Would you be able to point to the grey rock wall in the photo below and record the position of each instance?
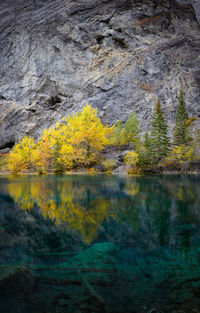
(117, 55)
(195, 4)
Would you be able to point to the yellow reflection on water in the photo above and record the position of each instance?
(71, 206)
(81, 205)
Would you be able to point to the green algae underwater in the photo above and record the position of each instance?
(80, 243)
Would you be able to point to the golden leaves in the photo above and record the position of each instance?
(75, 141)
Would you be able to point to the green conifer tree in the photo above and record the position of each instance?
(145, 151)
(132, 130)
(181, 129)
(118, 132)
(160, 143)
(148, 148)
(57, 165)
(147, 140)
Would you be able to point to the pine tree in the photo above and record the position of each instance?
(145, 151)
(159, 139)
(148, 148)
(147, 140)
(181, 129)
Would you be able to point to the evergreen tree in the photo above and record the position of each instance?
(147, 140)
(145, 151)
(57, 165)
(132, 131)
(118, 133)
(159, 138)
(148, 148)
(181, 129)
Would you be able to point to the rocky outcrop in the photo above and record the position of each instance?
(118, 55)
(195, 4)
(15, 279)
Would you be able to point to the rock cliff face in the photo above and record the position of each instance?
(118, 55)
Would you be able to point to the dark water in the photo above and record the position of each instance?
(100, 243)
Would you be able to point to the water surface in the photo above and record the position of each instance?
(72, 244)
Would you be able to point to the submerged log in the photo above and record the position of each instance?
(91, 289)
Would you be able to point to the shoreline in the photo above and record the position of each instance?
(89, 173)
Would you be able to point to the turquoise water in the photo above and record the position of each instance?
(72, 244)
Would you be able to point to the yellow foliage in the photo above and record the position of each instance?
(132, 160)
(74, 142)
(15, 162)
(87, 134)
(20, 157)
(68, 212)
(181, 154)
(42, 154)
(190, 121)
(66, 156)
(91, 171)
(81, 137)
(132, 188)
(109, 164)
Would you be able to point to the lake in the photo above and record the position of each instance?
(100, 243)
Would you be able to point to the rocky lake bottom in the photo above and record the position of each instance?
(101, 243)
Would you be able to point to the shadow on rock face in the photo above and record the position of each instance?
(53, 101)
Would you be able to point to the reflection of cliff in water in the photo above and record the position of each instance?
(159, 211)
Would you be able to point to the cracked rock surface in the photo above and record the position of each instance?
(117, 55)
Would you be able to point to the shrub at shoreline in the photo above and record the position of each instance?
(78, 141)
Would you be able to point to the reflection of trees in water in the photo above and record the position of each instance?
(185, 193)
(161, 209)
(72, 205)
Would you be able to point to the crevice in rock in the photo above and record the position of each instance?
(100, 39)
(119, 30)
(120, 42)
(56, 49)
(9, 144)
(53, 101)
(95, 7)
(64, 95)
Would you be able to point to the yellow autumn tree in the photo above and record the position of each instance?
(42, 155)
(180, 156)
(87, 135)
(78, 139)
(132, 161)
(20, 157)
(75, 141)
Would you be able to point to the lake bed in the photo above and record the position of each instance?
(83, 243)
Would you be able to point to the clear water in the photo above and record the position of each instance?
(72, 244)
